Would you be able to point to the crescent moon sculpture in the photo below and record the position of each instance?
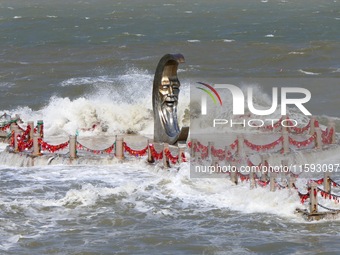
(166, 88)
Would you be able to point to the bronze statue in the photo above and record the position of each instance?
(165, 99)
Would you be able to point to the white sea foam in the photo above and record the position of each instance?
(117, 105)
(296, 53)
(228, 40)
(308, 73)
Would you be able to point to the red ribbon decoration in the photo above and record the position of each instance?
(327, 136)
(52, 148)
(155, 154)
(135, 152)
(5, 127)
(299, 130)
(263, 147)
(172, 158)
(300, 144)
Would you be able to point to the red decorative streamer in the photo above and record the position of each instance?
(300, 144)
(297, 129)
(133, 152)
(327, 136)
(52, 148)
(155, 154)
(263, 147)
(172, 158)
(107, 150)
(5, 127)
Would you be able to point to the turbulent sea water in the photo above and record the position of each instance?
(78, 63)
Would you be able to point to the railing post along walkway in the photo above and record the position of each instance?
(119, 148)
(72, 146)
(313, 198)
(36, 146)
(166, 162)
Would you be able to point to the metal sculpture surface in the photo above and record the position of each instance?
(166, 87)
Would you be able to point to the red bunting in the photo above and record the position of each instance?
(155, 154)
(327, 136)
(273, 126)
(172, 158)
(269, 146)
(300, 144)
(5, 127)
(107, 150)
(52, 148)
(136, 153)
(298, 130)
(303, 197)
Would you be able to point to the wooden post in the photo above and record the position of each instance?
(284, 170)
(312, 126)
(14, 125)
(193, 146)
(285, 142)
(40, 129)
(73, 146)
(31, 125)
(318, 141)
(252, 180)
(326, 182)
(272, 181)
(331, 125)
(166, 162)
(292, 180)
(119, 147)
(180, 152)
(265, 168)
(233, 177)
(214, 163)
(313, 198)
(284, 129)
(16, 133)
(240, 146)
(36, 146)
(210, 145)
(198, 156)
(150, 157)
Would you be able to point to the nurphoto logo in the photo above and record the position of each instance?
(238, 103)
(239, 99)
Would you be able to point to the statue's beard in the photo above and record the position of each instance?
(169, 117)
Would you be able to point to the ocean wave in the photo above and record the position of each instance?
(78, 81)
(308, 73)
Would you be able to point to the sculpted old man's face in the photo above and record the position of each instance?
(169, 91)
(165, 94)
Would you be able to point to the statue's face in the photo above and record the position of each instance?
(169, 90)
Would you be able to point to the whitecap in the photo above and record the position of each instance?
(269, 35)
(228, 40)
(308, 73)
(194, 41)
(188, 12)
(17, 17)
(51, 16)
(296, 53)
(78, 81)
